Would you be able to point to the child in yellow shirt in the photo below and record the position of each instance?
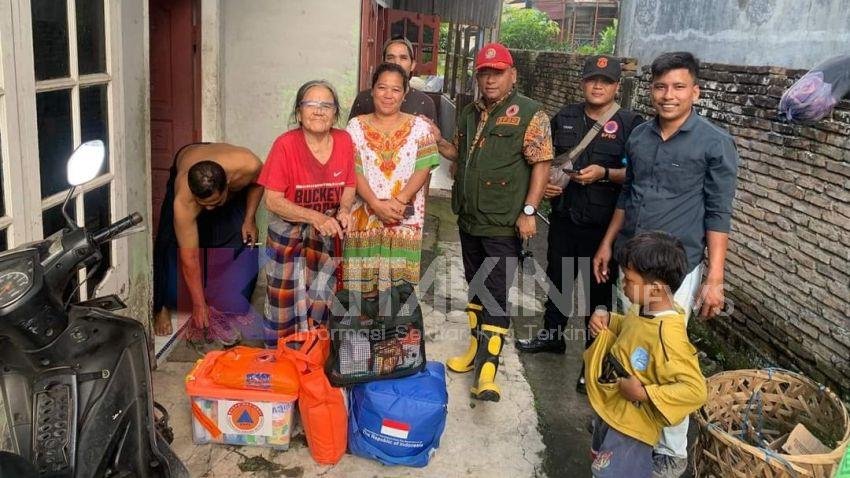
(642, 372)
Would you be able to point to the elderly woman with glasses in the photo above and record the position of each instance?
(310, 181)
(394, 155)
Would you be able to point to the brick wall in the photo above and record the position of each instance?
(788, 269)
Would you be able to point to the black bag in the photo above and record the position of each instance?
(375, 338)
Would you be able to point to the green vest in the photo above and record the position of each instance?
(492, 179)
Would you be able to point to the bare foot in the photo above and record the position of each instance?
(162, 322)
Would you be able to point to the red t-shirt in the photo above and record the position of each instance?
(292, 169)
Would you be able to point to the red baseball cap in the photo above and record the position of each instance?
(494, 55)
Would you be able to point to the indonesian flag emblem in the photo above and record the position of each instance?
(395, 429)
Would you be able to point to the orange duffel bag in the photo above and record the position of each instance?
(248, 368)
(321, 406)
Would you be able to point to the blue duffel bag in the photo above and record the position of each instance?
(399, 421)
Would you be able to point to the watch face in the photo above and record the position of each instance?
(528, 210)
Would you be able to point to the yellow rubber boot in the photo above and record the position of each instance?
(490, 342)
(466, 362)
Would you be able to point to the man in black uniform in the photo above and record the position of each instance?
(582, 210)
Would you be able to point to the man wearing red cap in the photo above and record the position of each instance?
(503, 148)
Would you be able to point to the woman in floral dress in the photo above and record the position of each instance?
(394, 156)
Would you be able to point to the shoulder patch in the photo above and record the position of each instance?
(639, 359)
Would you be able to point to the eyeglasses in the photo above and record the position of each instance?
(318, 105)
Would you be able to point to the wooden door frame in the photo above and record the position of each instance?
(197, 83)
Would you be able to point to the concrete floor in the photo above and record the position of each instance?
(481, 438)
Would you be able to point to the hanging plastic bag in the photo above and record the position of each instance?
(322, 407)
(813, 96)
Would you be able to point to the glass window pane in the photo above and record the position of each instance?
(55, 139)
(91, 43)
(412, 33)
(427, 54)
(427, 34)
(397, 29)
(50, 38)
(4, 240)
(93, 117)
(52, 219)
(97, 216)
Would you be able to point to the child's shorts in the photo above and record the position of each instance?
(618, 455)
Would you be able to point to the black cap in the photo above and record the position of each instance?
(601, 65)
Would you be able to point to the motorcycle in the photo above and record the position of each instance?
(75, 382)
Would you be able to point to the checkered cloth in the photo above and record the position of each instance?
(301, 275)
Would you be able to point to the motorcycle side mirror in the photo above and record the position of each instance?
(83, 165)
(85, 162)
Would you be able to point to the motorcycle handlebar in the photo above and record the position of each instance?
(116, 228)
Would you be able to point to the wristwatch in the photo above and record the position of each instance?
(606, 176)
(529, 210)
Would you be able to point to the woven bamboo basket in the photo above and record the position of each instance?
(748, 416)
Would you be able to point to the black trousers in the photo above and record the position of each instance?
(571, 250)
(489, 265)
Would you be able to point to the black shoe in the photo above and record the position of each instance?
(535, 345)
(580, 388)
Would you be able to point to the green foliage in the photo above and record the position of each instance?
(607, 40)
(605, 45)
(528, 29)
(444, 36)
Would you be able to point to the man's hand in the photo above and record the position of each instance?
(435, 130)
(598, 322)
(552, 191)
(200, 316)
(711, 297)
(632, 389)
(250, 233)
(327, 226)
(600, 263)
(589, 175)
(526, 226)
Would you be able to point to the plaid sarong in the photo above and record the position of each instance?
(300, 275)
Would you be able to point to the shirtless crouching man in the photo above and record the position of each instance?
(210, 203)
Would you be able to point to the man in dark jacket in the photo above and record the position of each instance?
(582, 209)
(400, 52)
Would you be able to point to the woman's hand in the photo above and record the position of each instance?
(327, 226)
(343, 217)
(389, 211)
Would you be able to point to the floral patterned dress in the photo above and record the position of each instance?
(377, 256)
